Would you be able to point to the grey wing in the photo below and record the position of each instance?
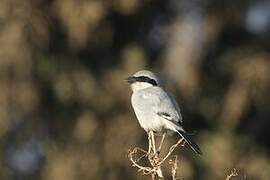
(167, 107)
(176, 106)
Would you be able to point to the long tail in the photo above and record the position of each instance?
(190, 142)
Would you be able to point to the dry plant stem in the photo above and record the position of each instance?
(153, 176)
(161, 142)
(153, 142)
(154, 169)
(174, 167)
(153, 158)
(149, 142)
(171, 150)
(233, 174)
(145, 170)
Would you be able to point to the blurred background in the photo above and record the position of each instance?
(65, 111)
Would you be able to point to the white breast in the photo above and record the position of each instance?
(145, 112)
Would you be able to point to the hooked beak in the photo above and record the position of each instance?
(130, 79)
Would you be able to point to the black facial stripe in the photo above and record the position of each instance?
(146, 79)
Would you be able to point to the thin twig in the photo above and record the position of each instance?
(233, 174)
(161, 142)
(153, 142)
(171, 150)
(174, 164)
(144, 169)
(155, 161)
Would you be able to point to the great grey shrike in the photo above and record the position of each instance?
(155, 109)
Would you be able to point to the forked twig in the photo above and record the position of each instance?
(144, 169)
(155, 161)
(233, 174)
(171, 150)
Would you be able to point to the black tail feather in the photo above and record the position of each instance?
(190, 142)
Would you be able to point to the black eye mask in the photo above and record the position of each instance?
(146, 79)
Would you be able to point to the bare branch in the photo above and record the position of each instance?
(152, 155)
(233, 174)
(171, 150)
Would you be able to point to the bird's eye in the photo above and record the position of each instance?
(147, 80)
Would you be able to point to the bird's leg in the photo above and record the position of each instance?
(153, 142)
(161, 142)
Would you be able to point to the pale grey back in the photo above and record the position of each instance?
(148, 102)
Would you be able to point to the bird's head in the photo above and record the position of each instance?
(142, 79)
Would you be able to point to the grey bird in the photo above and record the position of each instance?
(155, 109)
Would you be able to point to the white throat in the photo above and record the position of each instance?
(140, 85)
